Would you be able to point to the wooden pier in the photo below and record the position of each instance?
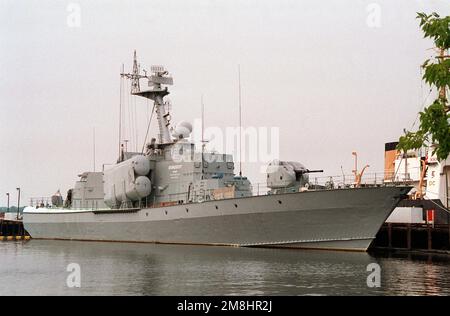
(411, 237)
(12, 230)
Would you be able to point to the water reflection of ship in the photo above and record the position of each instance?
(142, 269)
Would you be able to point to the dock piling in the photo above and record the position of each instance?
(429, 237)
(12, 230)
(408, 237)
(413, 237)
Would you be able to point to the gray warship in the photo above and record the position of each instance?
(172, 193)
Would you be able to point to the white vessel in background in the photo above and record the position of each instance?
(429, 200)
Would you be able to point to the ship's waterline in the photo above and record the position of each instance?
(344, 219)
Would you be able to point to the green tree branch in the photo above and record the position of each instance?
(434, 126)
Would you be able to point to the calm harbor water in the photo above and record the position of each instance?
(40, 268)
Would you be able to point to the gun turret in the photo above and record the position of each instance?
(287, 174)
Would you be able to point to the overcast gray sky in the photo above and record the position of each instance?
(333, 77)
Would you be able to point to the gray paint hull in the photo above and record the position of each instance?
(344, 219)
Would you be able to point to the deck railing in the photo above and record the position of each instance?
(343, 181)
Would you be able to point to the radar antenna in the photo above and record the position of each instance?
(134, 76)
(157, 78)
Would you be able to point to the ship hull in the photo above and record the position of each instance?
(343, 219)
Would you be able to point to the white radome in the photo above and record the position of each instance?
(183, 129)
